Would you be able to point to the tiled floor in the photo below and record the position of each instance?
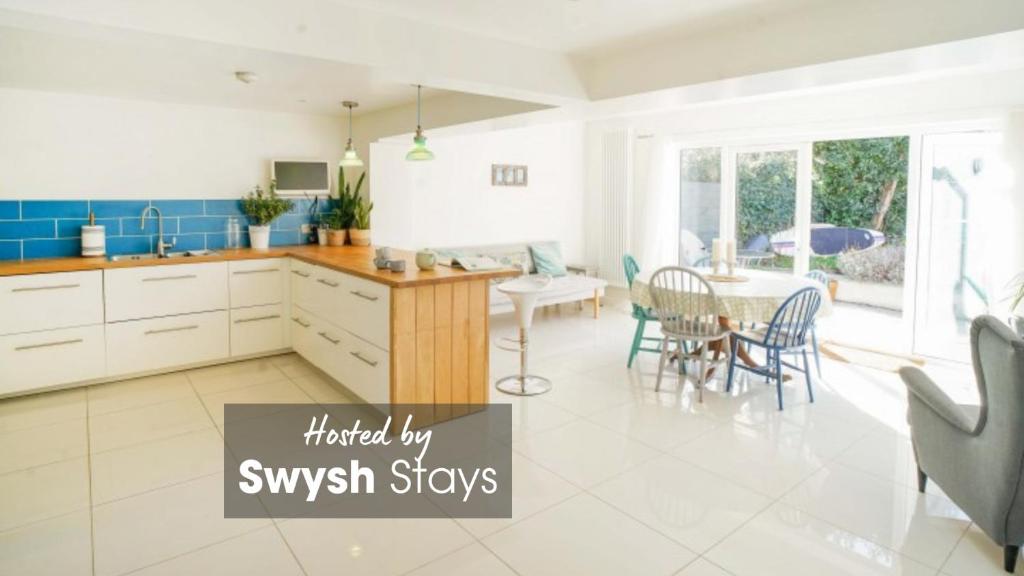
(610, 477)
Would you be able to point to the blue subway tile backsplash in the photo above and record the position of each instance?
(52, 228)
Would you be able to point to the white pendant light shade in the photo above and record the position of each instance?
(419, 151)
(351, 158)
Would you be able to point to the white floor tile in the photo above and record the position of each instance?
(41, 409)
(886, 455)
(693, 507)
(473, 560)
(377, 547)
(583, 452)
(923, 527)
(322, 389)
(137, 392)
(214, 379)
(586, 536)
(701, 567)
(279, 392)
(43, 492)
(584, 395)
(141, 425)
(149, 528)
(61, 545)
(658, 425)
(533, 489)
(135, 469)
(783, 541)
(976, 555)
(28, 447)
(531, 414)
(259, 553)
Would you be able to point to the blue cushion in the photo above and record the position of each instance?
(548, 259)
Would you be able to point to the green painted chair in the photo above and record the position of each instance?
(642, 316)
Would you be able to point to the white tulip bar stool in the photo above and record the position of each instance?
(523, 292)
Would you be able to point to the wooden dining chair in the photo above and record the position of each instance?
(640, 314)
(687, 309)
(786, 334)
(821, 278)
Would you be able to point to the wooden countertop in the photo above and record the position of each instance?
(355, 260)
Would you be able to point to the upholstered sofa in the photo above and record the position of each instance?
(575, 287)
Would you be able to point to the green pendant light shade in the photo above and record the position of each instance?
(419, 151)
(350, 159)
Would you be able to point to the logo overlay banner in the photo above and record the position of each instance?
(367, 461)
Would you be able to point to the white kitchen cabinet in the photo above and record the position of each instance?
(51, 358)
(367, 311)
(35, 302)
(258, 329)
(302, 283)
(257, 282)
(302, 332)
(367, 371)
(157, 343)
(165, 290)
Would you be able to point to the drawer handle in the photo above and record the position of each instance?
(365, 296)
(163, 278)
(257, 318)
(301, 273)
(261, 271)
(364, 359)
(327, 282)
(48, 344)
(40, 288)
(301, 322)
(328, 338)
(177, 329)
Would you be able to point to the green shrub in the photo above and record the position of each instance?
(262, 208)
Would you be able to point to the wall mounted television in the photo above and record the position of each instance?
(301, 177)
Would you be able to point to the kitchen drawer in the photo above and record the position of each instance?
(257, 329)
(329, 348)
(257, 282)
(302, 332)
(367, 372)
(42, 359)
(302, 283)
(156, 343)
(164, 290)
(367, 309)
(329, 292)
(46, 301)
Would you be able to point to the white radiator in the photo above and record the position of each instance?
(613, 235)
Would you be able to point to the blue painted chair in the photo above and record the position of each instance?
(821, 278)
(785, 334)
(642, 316)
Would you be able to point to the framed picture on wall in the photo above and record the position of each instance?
(509, 175)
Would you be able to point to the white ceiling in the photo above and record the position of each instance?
(582, 27)
(146, 66)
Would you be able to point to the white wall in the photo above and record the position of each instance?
(450, 201)
(74, 146)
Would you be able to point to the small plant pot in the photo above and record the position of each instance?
(833, 287)
(321, 236)
(259, 237)
(359, 237)
(336, 237)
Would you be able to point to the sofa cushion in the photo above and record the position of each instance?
(547, 258)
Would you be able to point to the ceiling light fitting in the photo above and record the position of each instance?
(350, 159)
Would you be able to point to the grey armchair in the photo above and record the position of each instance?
(977, 455)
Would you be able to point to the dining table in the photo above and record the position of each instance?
(747, 298)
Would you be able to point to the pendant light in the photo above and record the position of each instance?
(350, 158)
(419, 150)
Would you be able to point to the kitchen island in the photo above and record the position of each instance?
(413, 337)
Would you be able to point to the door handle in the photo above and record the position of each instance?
(166, 278)
(328, 338)
(300, 273)
(48, 344)
(263, 271)
(257, 318)
(40, 288)
(364, 359)
(168, 330)
(301, 322)
(365, 296)
(327, 283)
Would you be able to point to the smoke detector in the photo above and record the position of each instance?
(246, 77)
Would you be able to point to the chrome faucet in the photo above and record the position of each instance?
(161, 246)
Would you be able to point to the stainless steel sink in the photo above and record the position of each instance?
(169, 255)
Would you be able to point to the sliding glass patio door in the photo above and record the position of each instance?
(957, 241)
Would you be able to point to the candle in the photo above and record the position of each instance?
(730, 251)
(716, 250)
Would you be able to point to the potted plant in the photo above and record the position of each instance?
(321, 230)
(347, 199)
(336, 232)
(359, 233)
(262, 208)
